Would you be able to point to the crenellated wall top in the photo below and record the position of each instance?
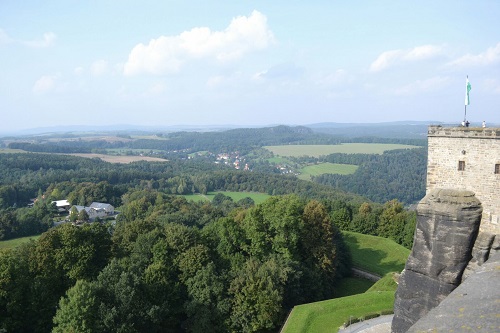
(464, 132)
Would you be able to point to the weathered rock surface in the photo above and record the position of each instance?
(447, 226)
(480, 252)
(473, 306)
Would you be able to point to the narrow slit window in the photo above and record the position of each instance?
(497, 168)
(461, 165)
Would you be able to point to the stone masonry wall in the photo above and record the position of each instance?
(479, 149)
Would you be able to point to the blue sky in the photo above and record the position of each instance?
(164, 63)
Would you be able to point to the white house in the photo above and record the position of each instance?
(109, 209)
(62, 205)
(93, 213)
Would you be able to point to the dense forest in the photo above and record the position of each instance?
(168, 264)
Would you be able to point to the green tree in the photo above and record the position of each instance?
(392, 221)
(83, 216)
(257, 294)
(79, 310)
(73, 214)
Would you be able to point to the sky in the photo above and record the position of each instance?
(246, 63)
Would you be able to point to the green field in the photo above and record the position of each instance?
(376, 254)
(322, 168)
(328, 316)
(278, 160)
(8, 150)
(345, 148)
(236, 196)
(8, 244)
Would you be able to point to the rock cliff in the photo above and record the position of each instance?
(447, 226)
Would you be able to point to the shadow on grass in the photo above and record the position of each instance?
(376, 254)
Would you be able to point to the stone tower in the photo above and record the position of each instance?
(467, 158)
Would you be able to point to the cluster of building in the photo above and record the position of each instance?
(232, 159)
(94, 211)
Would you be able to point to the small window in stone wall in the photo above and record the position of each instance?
(497, 168)
(461, 165)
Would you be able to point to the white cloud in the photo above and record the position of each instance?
(433, 84)
(78, 71)
(45, 84)
(490, 56)
(492, 85)
(390, 58)
(158, 88)
(48, 40)
(167, 54)
(99, 67)
(4, 38)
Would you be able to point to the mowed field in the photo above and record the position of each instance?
(345, 148)
(236, 196)
(120, 159)
(332, 168)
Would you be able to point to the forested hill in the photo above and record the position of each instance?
(242, 140)
(22, 175)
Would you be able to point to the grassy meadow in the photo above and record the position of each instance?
(322, 168)
(236, 196)
(345, 148)
(11, 243)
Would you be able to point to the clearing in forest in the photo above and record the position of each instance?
(330, 168)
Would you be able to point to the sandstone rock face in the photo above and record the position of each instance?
(480, 252)
(447, 226)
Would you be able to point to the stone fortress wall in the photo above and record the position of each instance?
(476, 151)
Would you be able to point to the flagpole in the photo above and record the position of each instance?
(466, 97)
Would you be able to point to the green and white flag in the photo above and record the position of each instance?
(467, 90)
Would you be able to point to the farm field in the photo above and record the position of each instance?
(11, 243)
(236, 196)
(332, 168)
(345, 148)
(120, 159)
(124, 151)
(8, 150)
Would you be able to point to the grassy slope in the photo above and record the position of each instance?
(328, 316)
(374, 254)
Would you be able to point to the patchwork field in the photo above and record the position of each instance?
(345, 148)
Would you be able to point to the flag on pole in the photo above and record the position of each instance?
(467, 90)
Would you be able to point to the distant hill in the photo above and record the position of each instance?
(400, 129)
